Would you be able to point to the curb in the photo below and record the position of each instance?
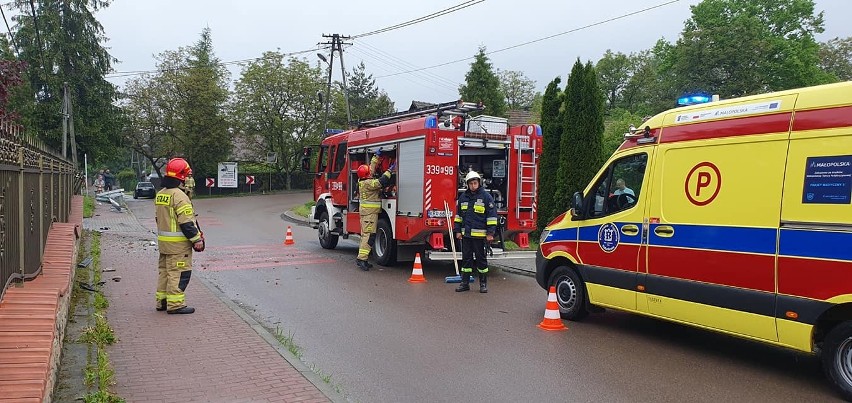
(300, 366)
(295, 217)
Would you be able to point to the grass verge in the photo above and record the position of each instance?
(513, 246)
(303, 210)
(99, 374)
(287, 340)
(88, 206)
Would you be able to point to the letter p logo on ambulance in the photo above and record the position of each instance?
(703, 183)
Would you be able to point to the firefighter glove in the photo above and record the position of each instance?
(198, 246)
(379, 152)
(392, 166)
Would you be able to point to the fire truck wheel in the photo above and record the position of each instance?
(570, 293)
(837, 358)
(326, 238)
(385, 247)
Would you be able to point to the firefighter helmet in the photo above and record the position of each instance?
(363, 172)
(471, 176)
(178, 168)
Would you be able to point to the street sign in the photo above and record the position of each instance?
(227, 174)
(211, 182)
(249, 179)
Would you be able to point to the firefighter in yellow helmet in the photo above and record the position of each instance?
(189, 186)
(369, 190)
(178, 235)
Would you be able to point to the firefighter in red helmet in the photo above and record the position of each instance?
(177, 235)
(370, 206)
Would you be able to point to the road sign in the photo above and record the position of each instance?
(227, 174)
(249, 179)
(211, 182)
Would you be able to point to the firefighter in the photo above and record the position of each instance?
(475, 224)
(178, 235)
(189, 186)
(369, 190)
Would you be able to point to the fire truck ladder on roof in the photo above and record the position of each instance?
(446, 108)
(527, 174)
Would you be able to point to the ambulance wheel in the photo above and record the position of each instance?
(837, 358)
(570, 293)
(326, 238)
(385, 246)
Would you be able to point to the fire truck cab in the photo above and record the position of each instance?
(433, 149)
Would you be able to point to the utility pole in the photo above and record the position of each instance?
(68, 125)
(336, 42)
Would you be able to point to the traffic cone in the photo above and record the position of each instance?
(552, 320)
(288, 240)
(417, 271)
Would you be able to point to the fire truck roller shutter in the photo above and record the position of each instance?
(409, 177)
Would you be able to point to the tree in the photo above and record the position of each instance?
(551, 128)
(67, 48)
(276, 110)
(616, 125)
(367, 101)
(518, 89)
(740, 47)
(836, 57)
(614, 71)
(582, 122)
(482, 85)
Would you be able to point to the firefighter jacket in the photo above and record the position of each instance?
(189, 183)
(476, 216)
(176, 227)
(369, 191)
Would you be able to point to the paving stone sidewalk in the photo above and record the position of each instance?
(213, 355)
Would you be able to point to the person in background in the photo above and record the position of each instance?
(189, 186)
(99, 184)
(370, 205)
(109, 180)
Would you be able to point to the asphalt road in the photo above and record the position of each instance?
(383, 339)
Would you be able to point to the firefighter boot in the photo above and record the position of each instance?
(161, 306)
(182, 310)
(464, 286)
(362, 264)
(483, 283)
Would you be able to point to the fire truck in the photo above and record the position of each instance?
(433, 148)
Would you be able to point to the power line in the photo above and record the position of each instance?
(436, 14)
(38, 36)
(11, 38)
(432, 86)
(539, 39)
(394, 66)
(119, 74)
(403, 63)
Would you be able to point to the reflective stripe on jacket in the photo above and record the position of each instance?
(369, 192)
(476, 216)
(173, 208)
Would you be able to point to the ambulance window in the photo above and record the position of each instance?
(618, 189)
(340, 160)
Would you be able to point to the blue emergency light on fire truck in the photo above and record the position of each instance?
(433, 149)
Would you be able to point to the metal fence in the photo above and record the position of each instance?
(36, 185)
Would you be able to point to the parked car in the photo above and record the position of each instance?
(144, 189)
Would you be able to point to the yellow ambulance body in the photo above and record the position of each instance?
(733, 216)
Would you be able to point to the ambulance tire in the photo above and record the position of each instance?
(837, 358)
(385, 247)
(570, 293)
(326, 238)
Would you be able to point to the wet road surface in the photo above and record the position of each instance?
(383, 339)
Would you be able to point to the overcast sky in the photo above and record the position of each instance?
(137, 30)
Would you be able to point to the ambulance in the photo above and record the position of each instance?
(733, 216)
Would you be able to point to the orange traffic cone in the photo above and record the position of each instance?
(417, 271)
(288, 240)
(552, 320)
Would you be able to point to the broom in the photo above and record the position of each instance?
(457, 277)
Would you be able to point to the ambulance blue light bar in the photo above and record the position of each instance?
(693, 99)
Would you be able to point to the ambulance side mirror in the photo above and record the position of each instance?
(577, 210)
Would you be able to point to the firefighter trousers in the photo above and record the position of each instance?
(175, 271)
(368, 235)
(473, 256)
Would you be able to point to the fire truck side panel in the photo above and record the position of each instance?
(409, 178)
(522, 165)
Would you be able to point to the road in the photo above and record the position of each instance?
(383, 339)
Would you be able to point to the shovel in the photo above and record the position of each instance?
(457, 277)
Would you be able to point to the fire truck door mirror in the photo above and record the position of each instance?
(577, 209)
(306, 159)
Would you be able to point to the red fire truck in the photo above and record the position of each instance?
(433, 149)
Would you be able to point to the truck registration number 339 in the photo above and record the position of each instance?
(440, 169)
